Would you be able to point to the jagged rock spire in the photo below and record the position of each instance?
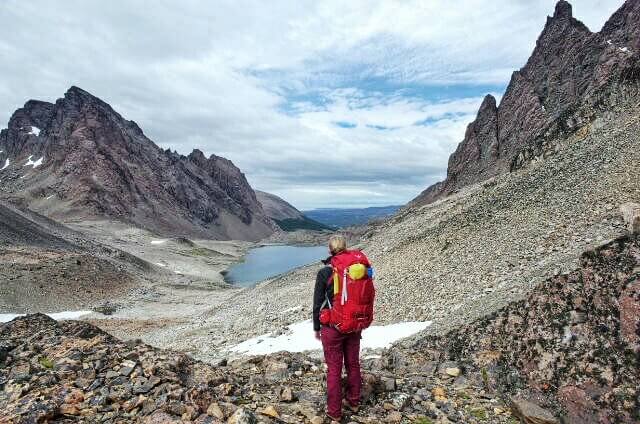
(563, 10)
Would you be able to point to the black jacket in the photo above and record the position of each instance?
(321, 292)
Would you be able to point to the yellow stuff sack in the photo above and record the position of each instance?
(336, 283)
(357, 271)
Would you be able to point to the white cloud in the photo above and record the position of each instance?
(264, 83)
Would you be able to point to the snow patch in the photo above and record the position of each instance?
(55, 315)
(35, 164)
(372, 357)
(300, 338)
(609, 42)
(158, 241)
(159, 264)
(624, 49)
(6, 164)
(35, 131)
(49, 197)
(294, 309)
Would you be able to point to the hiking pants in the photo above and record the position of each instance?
(341, 348)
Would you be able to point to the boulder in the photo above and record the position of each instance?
(242, 416)
(530, 413)
(631, 214)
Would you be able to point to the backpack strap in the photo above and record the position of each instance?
(345, 295)
(326, 302)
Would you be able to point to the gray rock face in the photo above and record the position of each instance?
(276, 207)
(96, 164)
(572, 77)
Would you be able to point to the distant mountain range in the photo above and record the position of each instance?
(339, 218)
(78, 159)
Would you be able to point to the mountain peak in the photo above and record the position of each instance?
(489, 102)
(77, 90)
(563, 10)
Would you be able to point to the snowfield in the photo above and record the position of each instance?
(35, 164)
(300, 338)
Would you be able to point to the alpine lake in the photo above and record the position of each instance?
(269, 261)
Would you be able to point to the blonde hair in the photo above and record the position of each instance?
(337, 244)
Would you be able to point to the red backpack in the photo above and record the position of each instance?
(351, 308)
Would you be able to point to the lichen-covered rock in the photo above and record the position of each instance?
(572, 344)
(530, 413)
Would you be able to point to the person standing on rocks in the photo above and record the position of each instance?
(342, 308)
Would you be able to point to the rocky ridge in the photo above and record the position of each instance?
(471, 253)
(569, 351)
(572, 77)
(78, 159)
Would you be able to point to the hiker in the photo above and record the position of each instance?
(342, 308)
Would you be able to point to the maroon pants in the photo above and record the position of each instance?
(341, 348)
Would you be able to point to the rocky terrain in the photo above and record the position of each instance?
(460, 257)
(46, 266)
(78, 159)
(569, 350)
(573, 77)
(286, 215)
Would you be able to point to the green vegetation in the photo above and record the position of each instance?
(478, 413)
(291, 224)
(485, 377)
(46, 362)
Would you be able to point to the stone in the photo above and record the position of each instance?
(530, 413)
(286, 394)
(400, 400)
(242, 416)
(453, 371)
(143, 385)
(125, 371)
(629, 302)
(76, 396)
(631, 215)
(578, 405)
(270, 411)
(439, 393)
(66, 409)
(159, 417)
(388, 384)
(394, 417)
(215, 411)
(369, 384)
(276, 371)
(317, 420)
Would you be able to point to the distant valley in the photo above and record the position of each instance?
(340, 218)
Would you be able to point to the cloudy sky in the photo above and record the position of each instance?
(325, 103)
